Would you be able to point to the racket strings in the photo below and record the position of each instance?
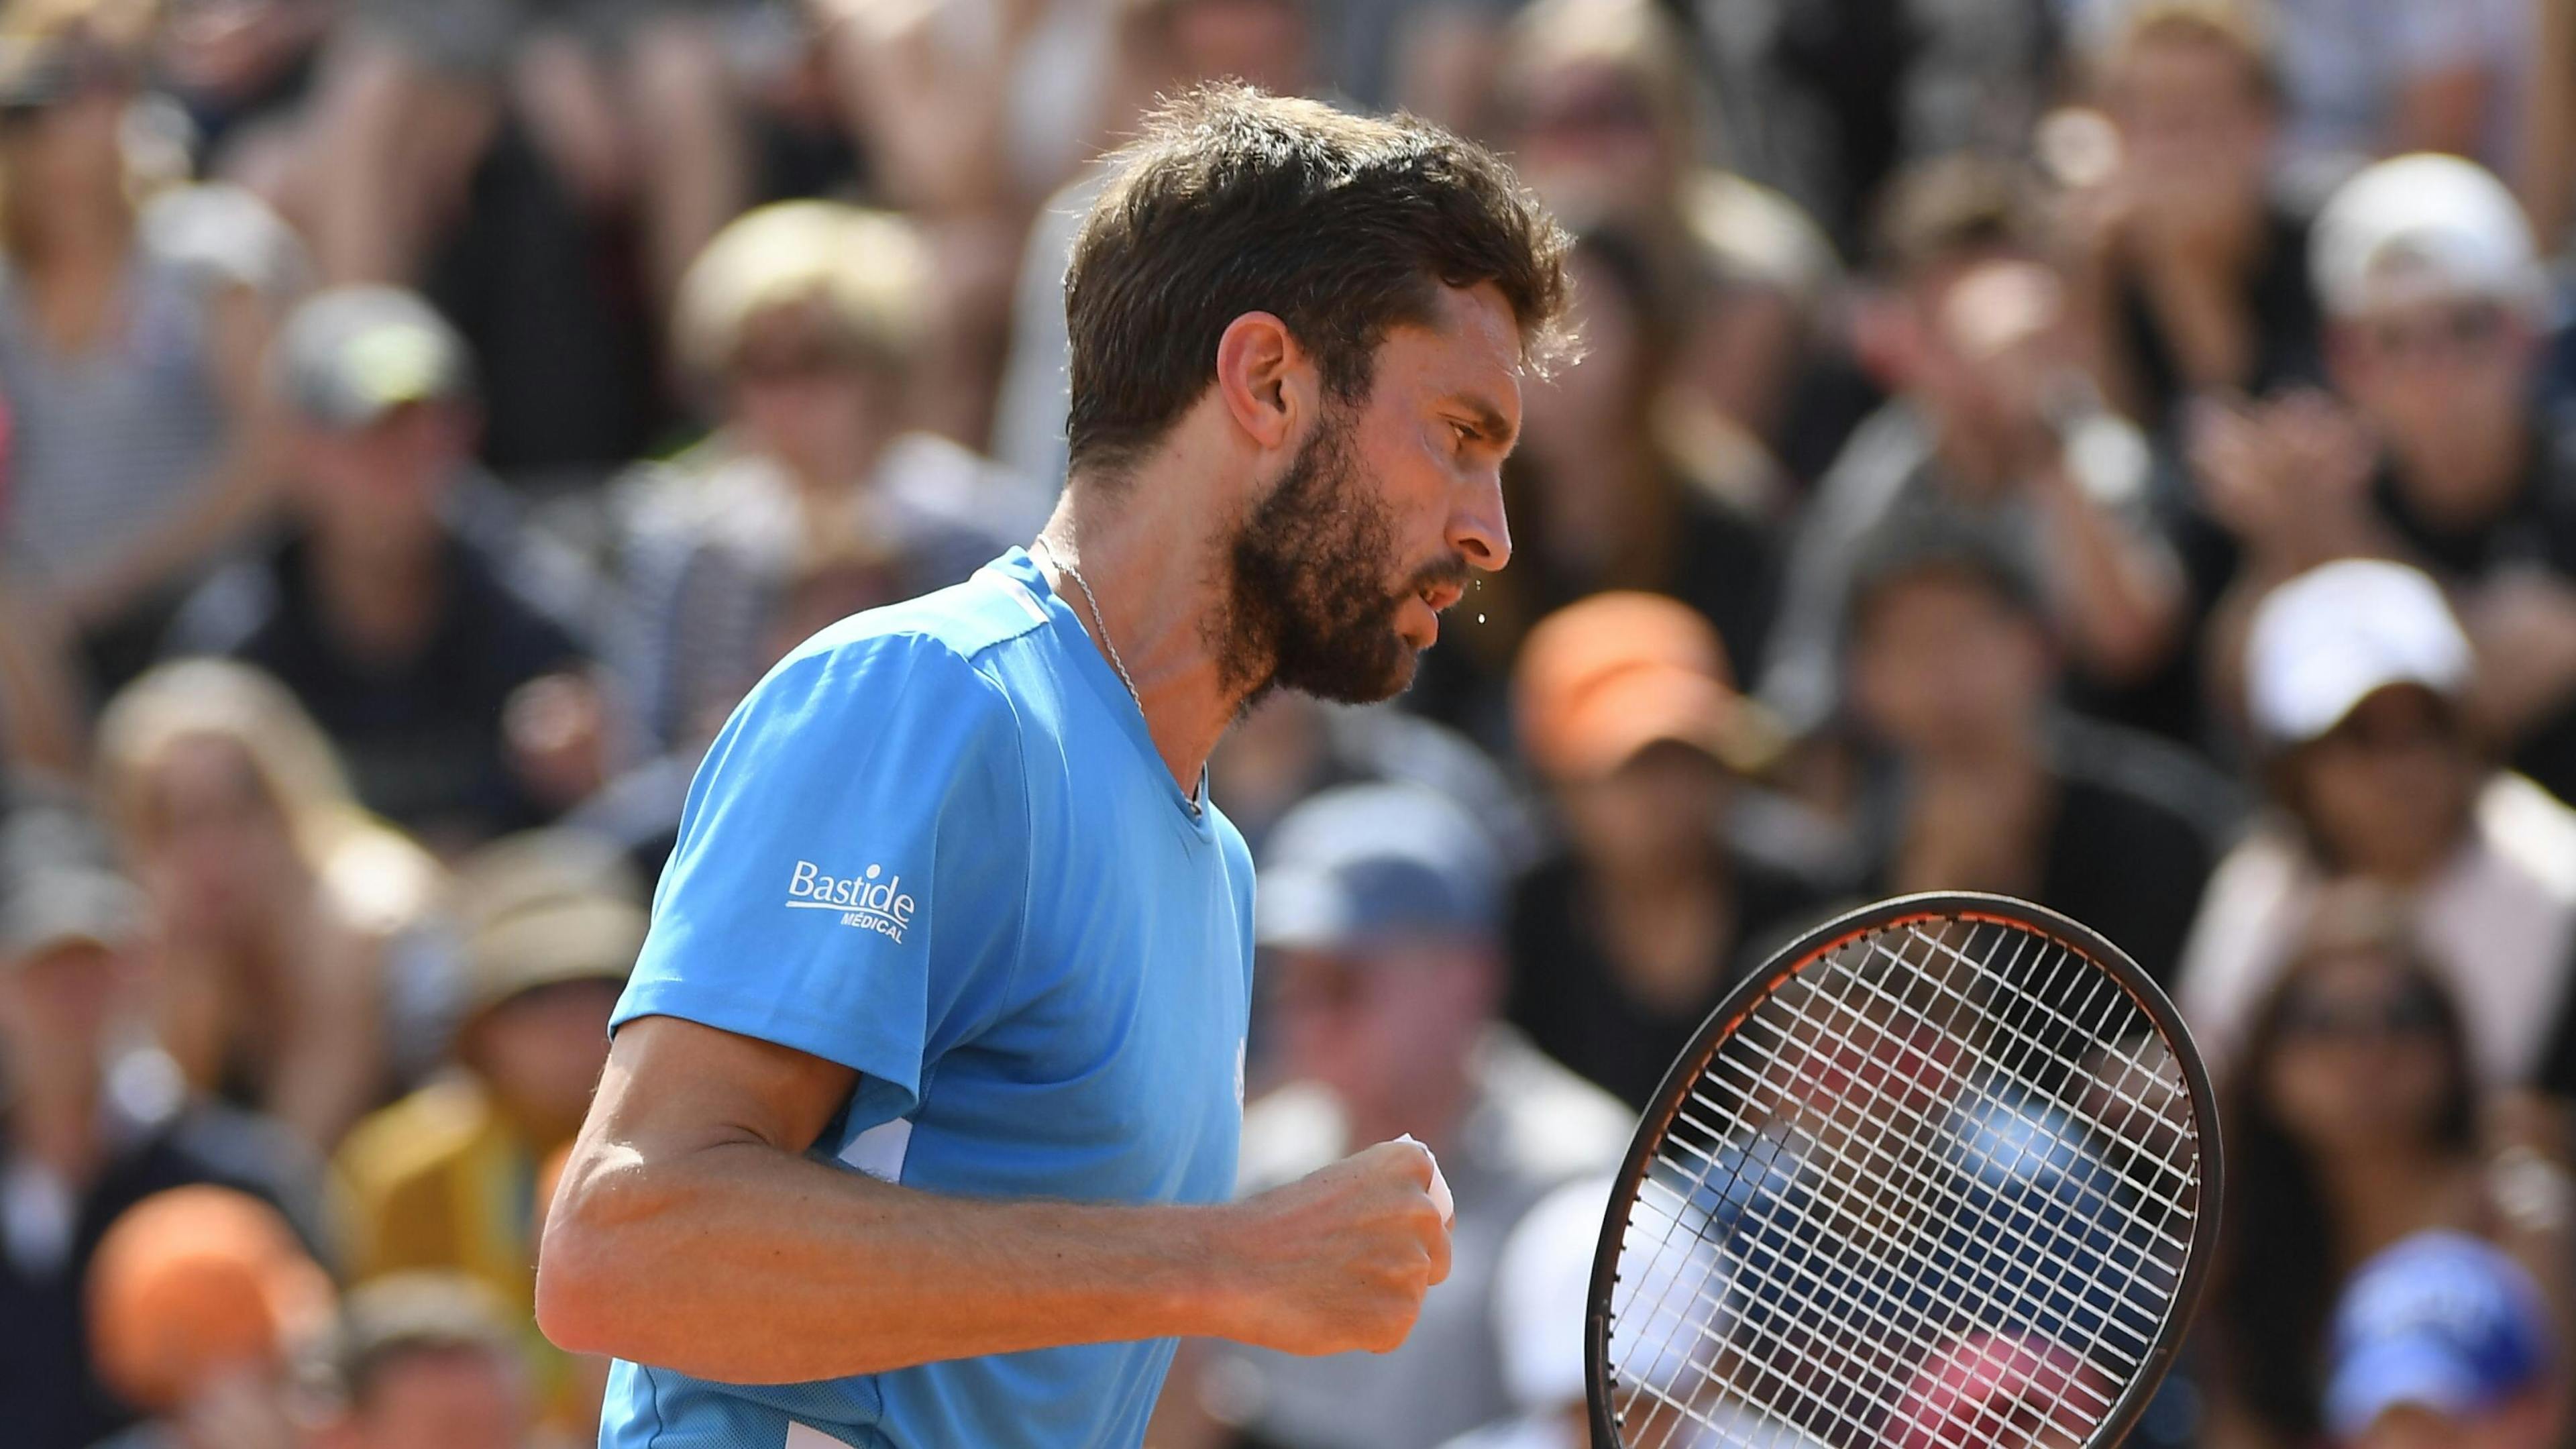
(1882, 1334)
(1920, 1196)
(1882, 1329)
(1882, 1325)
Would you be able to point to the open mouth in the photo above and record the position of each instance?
(1440, 596)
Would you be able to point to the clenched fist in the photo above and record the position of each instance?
(1337, 1260)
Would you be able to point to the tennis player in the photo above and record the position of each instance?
(919, 1124)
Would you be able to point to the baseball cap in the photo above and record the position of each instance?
(57, 885)
(2441, 1321)
(193, 1281)
(2419, 228)
(350, 355)
(2338, 633)
(1364, 864)
(52, 906)
(1602, 679)
(545, 907)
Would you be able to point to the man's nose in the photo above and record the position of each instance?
(1478, 530)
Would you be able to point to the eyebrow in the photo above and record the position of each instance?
(1489, 418)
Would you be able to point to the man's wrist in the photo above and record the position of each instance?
(1206, 1279)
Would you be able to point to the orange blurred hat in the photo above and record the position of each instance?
(194, 1281)
(1603, 678)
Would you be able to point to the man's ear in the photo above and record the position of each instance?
(1267, 382)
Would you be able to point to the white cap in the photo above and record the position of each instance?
(2329, 638)
(1543, 1293)
(2420, 228)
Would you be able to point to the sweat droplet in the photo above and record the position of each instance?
(1480, 618)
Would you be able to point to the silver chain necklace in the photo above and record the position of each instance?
(1106, 643)
(1097, 618)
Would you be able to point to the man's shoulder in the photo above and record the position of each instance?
(901, 703)
(963, 624)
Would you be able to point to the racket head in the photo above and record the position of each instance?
(2188, 1105)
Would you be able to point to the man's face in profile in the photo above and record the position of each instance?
(1340, 572)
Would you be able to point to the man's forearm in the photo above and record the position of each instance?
(745, 1264)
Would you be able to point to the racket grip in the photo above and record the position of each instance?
(1440, 1197)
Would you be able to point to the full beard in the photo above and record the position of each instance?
(1307, 607)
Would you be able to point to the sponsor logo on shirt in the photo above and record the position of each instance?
(864, 901)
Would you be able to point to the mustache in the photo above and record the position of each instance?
(1453, 570)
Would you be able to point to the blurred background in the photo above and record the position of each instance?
(2117, 452)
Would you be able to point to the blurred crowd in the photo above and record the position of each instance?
(2120, 453)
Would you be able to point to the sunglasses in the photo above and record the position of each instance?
(2413, 1012)
(2467, 328)
(2376, 734)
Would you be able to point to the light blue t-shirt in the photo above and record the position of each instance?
(936, 845)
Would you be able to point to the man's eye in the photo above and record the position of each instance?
(1463, 433)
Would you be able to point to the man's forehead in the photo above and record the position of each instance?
(1471, 344)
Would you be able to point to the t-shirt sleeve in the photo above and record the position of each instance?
(852, 867)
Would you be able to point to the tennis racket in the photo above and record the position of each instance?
(1943, 1174)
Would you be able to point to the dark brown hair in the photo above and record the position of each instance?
(1342, 226)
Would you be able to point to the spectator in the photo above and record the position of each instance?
(2428, 270)
(427, 1361)
(1599, 505)
(803, 321)
(1598, 107)
(1380, 916)
(301, 965)
(2353, 1120)
(1992, 420)
(442, 1178)
(89, 1126)
(2355, 677)
(1983, 783)
(405, 634)
(128, 334)
(200, 1304)
(1623, 942)
(2443, 1341)
(2192, 276)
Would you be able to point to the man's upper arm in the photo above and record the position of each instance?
(851, 868)
(675, 1085)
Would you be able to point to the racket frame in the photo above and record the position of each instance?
(1784, 966)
